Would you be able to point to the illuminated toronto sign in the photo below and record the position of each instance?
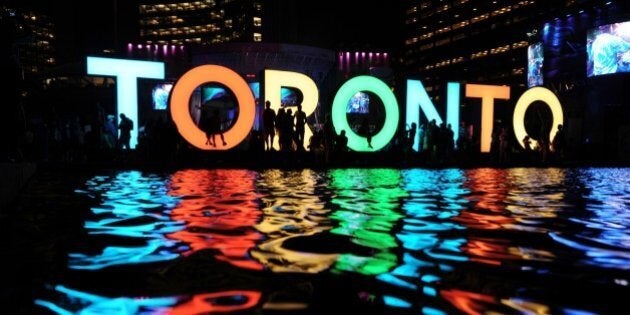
(417, 100)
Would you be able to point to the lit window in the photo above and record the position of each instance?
(257, 21)
(257, 37)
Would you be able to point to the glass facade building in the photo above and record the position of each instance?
(200, 22)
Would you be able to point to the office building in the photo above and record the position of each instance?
(31, 35)
(488, 42)
(200, 22)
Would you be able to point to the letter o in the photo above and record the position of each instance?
(340, 121)
(530, 96)
(180, 103)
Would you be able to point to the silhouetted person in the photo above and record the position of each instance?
(342, 142)
(329, 136)
(214, 127)
(528, 154)
(110, 132)
(287, 132)
(269, 125)
(411, 136)
(125, 126)
(543, 144)
(558, 144)
(527, 143)
(300, 123)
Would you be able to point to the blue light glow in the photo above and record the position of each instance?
(432, 311)
(429, 291)
(127, 73)
(417, 95)
(134, 206)
(395, 302)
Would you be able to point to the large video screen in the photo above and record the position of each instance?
(608, 49)
(288, 96)
(160, 94)
(359, 103)
(535, 59)
(213, 93)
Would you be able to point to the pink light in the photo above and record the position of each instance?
(165, 49)
(340, 61)
(356, 57)
(139, 46)
(347, 60)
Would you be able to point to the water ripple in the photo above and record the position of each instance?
(521, 240)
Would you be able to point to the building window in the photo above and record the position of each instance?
(257, 37)
(257, 21)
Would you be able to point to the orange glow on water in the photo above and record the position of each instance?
(180, 105)
(489, 190)
(212, 223)
(203, 303)
(467, 302)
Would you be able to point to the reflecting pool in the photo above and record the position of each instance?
(361, 241)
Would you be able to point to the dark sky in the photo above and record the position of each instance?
(351, 24)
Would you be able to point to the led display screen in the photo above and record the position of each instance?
(288, 96)
(359, 103)
(535, 58)
(160, 94)
(608, 49)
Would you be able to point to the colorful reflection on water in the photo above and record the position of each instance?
(293, 210)
(217, 302)
(395, 241)
(220, 209)
(367, 203)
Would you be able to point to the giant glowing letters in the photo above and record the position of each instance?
(487, 93)
(180, 100)
(276, 79)
(416, 94)
(340, 121)
(530, 96)
(128, 71)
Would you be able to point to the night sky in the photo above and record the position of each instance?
(351, 24)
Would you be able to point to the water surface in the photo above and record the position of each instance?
(412, 241)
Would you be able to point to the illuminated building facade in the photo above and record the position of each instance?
(199, 22)
(487, 42)
(34, 40)
(477, 40)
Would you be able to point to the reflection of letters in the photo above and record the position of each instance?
(608, 53)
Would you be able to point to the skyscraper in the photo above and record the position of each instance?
(485, 41)
(200, 22)
(32, 36)
(482, 41)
